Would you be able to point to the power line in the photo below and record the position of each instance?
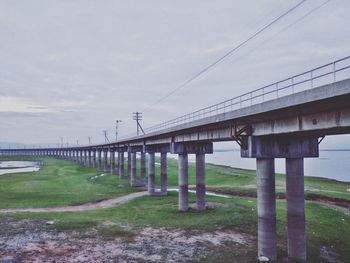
(230, 52)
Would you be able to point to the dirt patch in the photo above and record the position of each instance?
(34, 241)
(82, 207)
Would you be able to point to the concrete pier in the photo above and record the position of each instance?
(183, 182)
(296, 208)
(121, 164)
(112, 161)
(81, 157)
(89, 158)
(133, 181)
(163, 173)
(267, 235)
(94, 164)
(200, 181)
(151, 173)
(105, 161)
(129, 164)
(143, 168)
(99, 159)
(85, 158)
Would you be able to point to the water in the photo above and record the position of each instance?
(18, 167)
(330, 164)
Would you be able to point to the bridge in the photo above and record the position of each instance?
(287, 119)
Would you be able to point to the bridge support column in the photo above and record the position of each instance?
(200, 181)
(183, 182)
(132, 150)
(112, 162)
(143, 168)
(294, 149)
(151, 173)
(296, 208)
(99, 159)
(163, 149)
(94, 164)
(163, 173)
(81, 157)
(133, 169)
(129, 165)
(105, 161)
(86, 158)
(89, 158)
(183, 149)
(121, 163)
(266, 203)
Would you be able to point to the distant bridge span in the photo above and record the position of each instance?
(287, 126)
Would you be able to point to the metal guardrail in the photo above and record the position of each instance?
(275, 90)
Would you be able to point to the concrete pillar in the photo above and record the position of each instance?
(89, 158)
(267, 236)
(151, 173)
(133, 181)
(200, 181)
(163, 173)
(183, 182)
(81, 157)
(143, 168)
(86, 158)
(129, 164)
(121, 164)
(105, 164)
(99, 159)
(296, 208)
(112, 163)
(94, 164)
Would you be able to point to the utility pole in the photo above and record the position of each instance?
(116, 129)
(89, 140)
(137, 116)
(105, 134)
(61, 142)
(77, 142)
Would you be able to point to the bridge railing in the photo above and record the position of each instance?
(322, 75)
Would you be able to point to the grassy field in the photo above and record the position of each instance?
(61, 182)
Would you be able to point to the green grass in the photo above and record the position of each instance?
(61, 182)
(58, 183)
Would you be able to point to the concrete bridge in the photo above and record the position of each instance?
(276, 121)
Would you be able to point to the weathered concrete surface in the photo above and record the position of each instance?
(296, 208)
(151, 173)
(200, 181)
(267, 234)
(163, 173)
(280, 147)
(183, 182)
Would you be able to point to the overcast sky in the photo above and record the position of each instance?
(71, 68)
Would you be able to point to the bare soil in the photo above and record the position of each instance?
(35, 241)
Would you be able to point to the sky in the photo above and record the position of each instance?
(71, 68)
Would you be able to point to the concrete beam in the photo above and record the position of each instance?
(280, 147)
(192, 147)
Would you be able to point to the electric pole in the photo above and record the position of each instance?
(105, 134)
(137, 116)
(116, 129)
(77, 142)
(61, 142)
(89, 140)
